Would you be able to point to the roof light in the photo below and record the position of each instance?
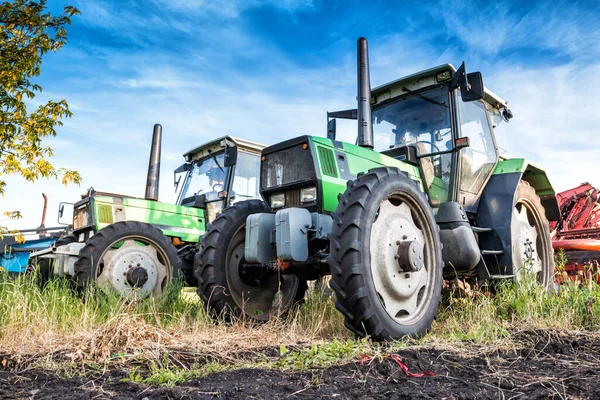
(443, 76)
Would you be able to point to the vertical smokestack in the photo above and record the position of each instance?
(154, 165)
(365, 124)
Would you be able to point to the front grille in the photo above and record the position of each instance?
(294, 164)
(105, 214)
(327, 160)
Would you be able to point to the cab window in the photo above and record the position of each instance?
(479, 159)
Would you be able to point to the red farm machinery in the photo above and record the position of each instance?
(577, 233)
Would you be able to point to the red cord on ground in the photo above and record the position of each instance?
(405, 368)
(365, 358)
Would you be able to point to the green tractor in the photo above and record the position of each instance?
(423, 196)
(130, 244)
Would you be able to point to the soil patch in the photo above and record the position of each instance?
(543, 365)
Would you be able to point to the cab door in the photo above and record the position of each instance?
(478, 160)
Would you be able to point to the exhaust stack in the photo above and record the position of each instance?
(154, 165)
(365, 123)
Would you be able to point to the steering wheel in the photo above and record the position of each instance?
(217, 187)
(433, 145)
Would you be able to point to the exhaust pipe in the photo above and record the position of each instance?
(365, 123)
(41, 230)
(154, 165)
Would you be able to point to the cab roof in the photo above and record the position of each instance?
(219, 144)
(424, 79)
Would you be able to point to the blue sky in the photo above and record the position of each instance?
(266, 70)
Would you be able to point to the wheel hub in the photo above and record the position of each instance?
(527, 257)
(132, 267)
(410, 256)
(137, 277)
(397, 259)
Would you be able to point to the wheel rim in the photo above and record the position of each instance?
(527, 242)
(404, 291)
(269, 296)
(134, 264)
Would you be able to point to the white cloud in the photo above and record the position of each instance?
(567, 28)
(556, 119)
(197, 96)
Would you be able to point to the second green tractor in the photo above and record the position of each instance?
(421, 197)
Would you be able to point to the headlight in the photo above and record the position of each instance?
(277, 200)
(213, 208)
(308, 195)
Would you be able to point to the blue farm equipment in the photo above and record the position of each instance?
(15, 255)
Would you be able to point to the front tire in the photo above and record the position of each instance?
(381, 288)
(128, 257)
(225, 287)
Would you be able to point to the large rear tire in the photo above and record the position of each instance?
(382, 224)
(225, 286)
(532, 244)
(128, 257)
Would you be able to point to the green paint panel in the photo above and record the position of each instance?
(508, 166)
(359, 160)
(438, 190)
(536, 176)
(185, 223)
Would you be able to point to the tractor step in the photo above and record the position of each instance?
(478, 229)
(492, 252)
(502, 276)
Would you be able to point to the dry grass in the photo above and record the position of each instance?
(97, 326)
(100, 328)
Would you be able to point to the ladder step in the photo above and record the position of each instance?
(491, 252)
(502, 276)
(478, 229)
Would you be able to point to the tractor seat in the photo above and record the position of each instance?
(426, 164)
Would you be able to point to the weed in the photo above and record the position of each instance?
(94, 328)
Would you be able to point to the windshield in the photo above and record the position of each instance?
(207, 178)
(422, 117)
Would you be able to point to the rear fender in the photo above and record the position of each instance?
(496, 204)
(538, 180)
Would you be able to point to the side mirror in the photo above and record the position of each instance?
(471, 87)
(331, 129)
(230, 156)
(65, 213)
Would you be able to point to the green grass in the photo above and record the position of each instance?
(487, 317)
(96, 329)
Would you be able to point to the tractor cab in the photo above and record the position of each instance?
(218, 174)
(424, 120)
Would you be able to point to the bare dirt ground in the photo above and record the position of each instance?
(536, 364)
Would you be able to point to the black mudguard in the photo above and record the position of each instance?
(495, 211)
